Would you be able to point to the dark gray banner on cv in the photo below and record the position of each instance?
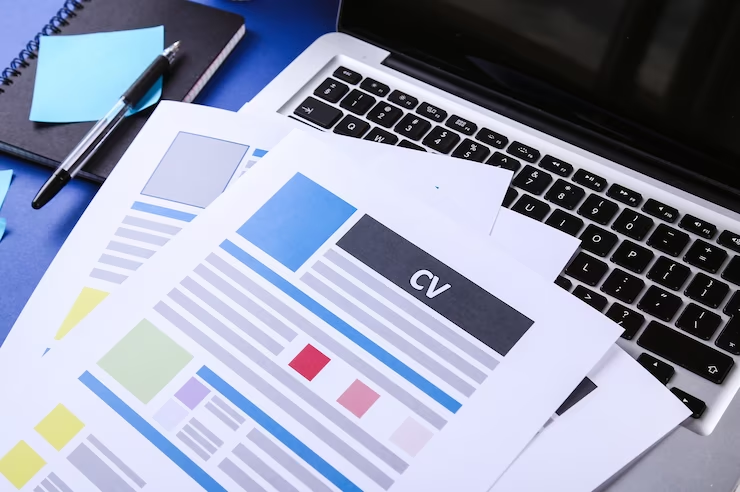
(464, 303)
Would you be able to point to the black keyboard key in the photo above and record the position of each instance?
(564, 283)
(698, 226)
(707, 290)
(499, 159)
(696, 406)
(492, 138)
(730, 240)
(659, 303)
(375, 87)
(686, 352)
(565, 222)
(668, 240)
(729, 339)
(441, 140)
(589, 180)
(510, 196)
(628, 319)
(561, 168)
(524, 152)
(412, 127)
(732, 308)
(385, 114)
(531, 207)
(358, 102)
(660, 210)
(598, 209)
(587, 269)
(318, 113)
(669, 273)
(632, 257)
(624, 195)
(471, 150)
(532, 180)
(407, 144)
(381, 136)
(632, 224)
(403, 99)
(663, 372)
(349, 76)
(596, 301)
(597, 240)
(623, 286)
(565, 194)
(698, 321)
(352, 127)
(705, 256)
(331, 90)
(732, 271)
(462, 125)
(432, 112)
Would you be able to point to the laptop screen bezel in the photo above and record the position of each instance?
(617, 135)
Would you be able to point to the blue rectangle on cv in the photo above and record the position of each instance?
(296, 221)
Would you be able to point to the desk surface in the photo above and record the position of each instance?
(277, 31)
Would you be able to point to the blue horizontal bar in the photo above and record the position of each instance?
(163, 211)
(259, 152)
(342, 327)
(278, 431)
(150, 433)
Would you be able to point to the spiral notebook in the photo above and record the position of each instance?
(208, 36)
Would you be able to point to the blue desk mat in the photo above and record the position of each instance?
(277, 31)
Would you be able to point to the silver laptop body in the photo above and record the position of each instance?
(348, 85)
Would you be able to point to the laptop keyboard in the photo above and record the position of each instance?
(669, 279)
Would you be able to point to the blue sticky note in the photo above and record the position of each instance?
(5, 177)
(80, 77)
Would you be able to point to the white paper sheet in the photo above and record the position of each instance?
(124, 225)
(627, 413)
(436, 424)
(542, 248)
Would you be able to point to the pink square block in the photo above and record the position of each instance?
(411, 436)
(358, 398)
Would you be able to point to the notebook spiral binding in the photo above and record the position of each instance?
(61, 19)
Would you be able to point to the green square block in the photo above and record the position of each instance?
(145, 360)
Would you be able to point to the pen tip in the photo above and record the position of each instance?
(171, 51)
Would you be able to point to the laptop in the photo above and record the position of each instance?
(621, 120)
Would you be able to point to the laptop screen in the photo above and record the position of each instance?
(661, 76)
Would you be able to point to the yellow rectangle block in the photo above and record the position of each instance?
(59, 427)
(88, 300)
(20, 464)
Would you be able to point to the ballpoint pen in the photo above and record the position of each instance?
(100, 132)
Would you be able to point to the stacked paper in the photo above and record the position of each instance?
(345, 316)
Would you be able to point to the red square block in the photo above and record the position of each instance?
(309, 362)
(358, 398)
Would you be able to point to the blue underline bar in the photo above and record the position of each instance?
(342, 327)
(162, 211)
(278, 431)
(150, 433)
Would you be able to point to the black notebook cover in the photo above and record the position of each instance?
(208, 35)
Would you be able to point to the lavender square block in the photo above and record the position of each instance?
(192, 393)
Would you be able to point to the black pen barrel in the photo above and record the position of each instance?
(146, 80)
